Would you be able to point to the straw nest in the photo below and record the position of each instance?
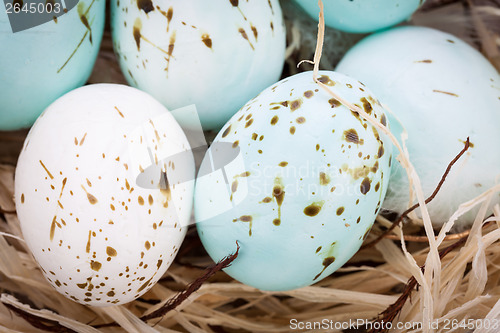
(439, 283)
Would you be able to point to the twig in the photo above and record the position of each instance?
(415, 206)
(174, 302)
(39, 323)
(424, 239)
(2, 211)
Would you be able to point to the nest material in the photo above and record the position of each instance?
(458, 276)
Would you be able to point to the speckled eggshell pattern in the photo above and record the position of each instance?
(43, 63)
(98, 236)
(314, 178)
(360, 16)
(216, 54)
(443, 91)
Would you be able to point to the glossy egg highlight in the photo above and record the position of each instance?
(302, 181)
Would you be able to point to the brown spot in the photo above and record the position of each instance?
(22, 198)
(119, 112)
(426, 61)
(292, 130)
(366, 105)
(365, 185)
(326, 80)
(254, 136)
(87, 248)
(150, 200)
(377, 187)
(294, 105)
(267, 200)
(276, 222)
(111, 293)
(245, 36)
(144, 285)
(279, 194)
(445, 92)
(53, 228)
(91, 199)
(236, 143)
(234, 3)
(308, 94)
(111, 252)
(158, 263)
(326, 262)
(226, 131)
(95, 265)
(334, 103)
(380, 151)
(234, 186)
(274, 120)
(136, 31)
(301, 120)
(147, 245)
(313, 209)
(145, 5)
(205, 38)
(450, 41)
(319, 249)
(254, 30)
(340, 210)
(140, 200)
(46, 170)
(82, 285)
(352, 136)
(248, 123)
(324, 179)
(283, 164)
(383, 120)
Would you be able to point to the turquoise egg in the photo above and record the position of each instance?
(360, 16)
(296, 179)
(40, 64)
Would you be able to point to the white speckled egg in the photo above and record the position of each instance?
(216, 54)
(443, 91)
(359, 16)
(312, 179)
(101, 232)
(40, 64)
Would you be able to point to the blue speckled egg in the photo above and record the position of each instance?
(216, 54)
(443, 91)
(40, 64)
(303, 181)
(359, 16)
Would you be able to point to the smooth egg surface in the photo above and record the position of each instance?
(360, 16)
(214, 54)
(40, 64)
(98, 202)
(442, 91)
(301, 182)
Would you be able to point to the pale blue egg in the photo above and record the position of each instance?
(40, 64)
(302, 181)
(443, 91)
(360, 16)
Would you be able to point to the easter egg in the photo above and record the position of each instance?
(101, 206)
(214, 54)
(362, 16)
(42, 63)
(442, 91)
(304, 188)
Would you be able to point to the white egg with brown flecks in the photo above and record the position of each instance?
(216, 54)
(101, 204)
(303, 181)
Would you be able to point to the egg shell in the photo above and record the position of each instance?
(215, 54)
(99, 235)
(43, 63)
(305, 188)
(443, 91)
(362, 16)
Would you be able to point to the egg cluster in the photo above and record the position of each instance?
(106, 182)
